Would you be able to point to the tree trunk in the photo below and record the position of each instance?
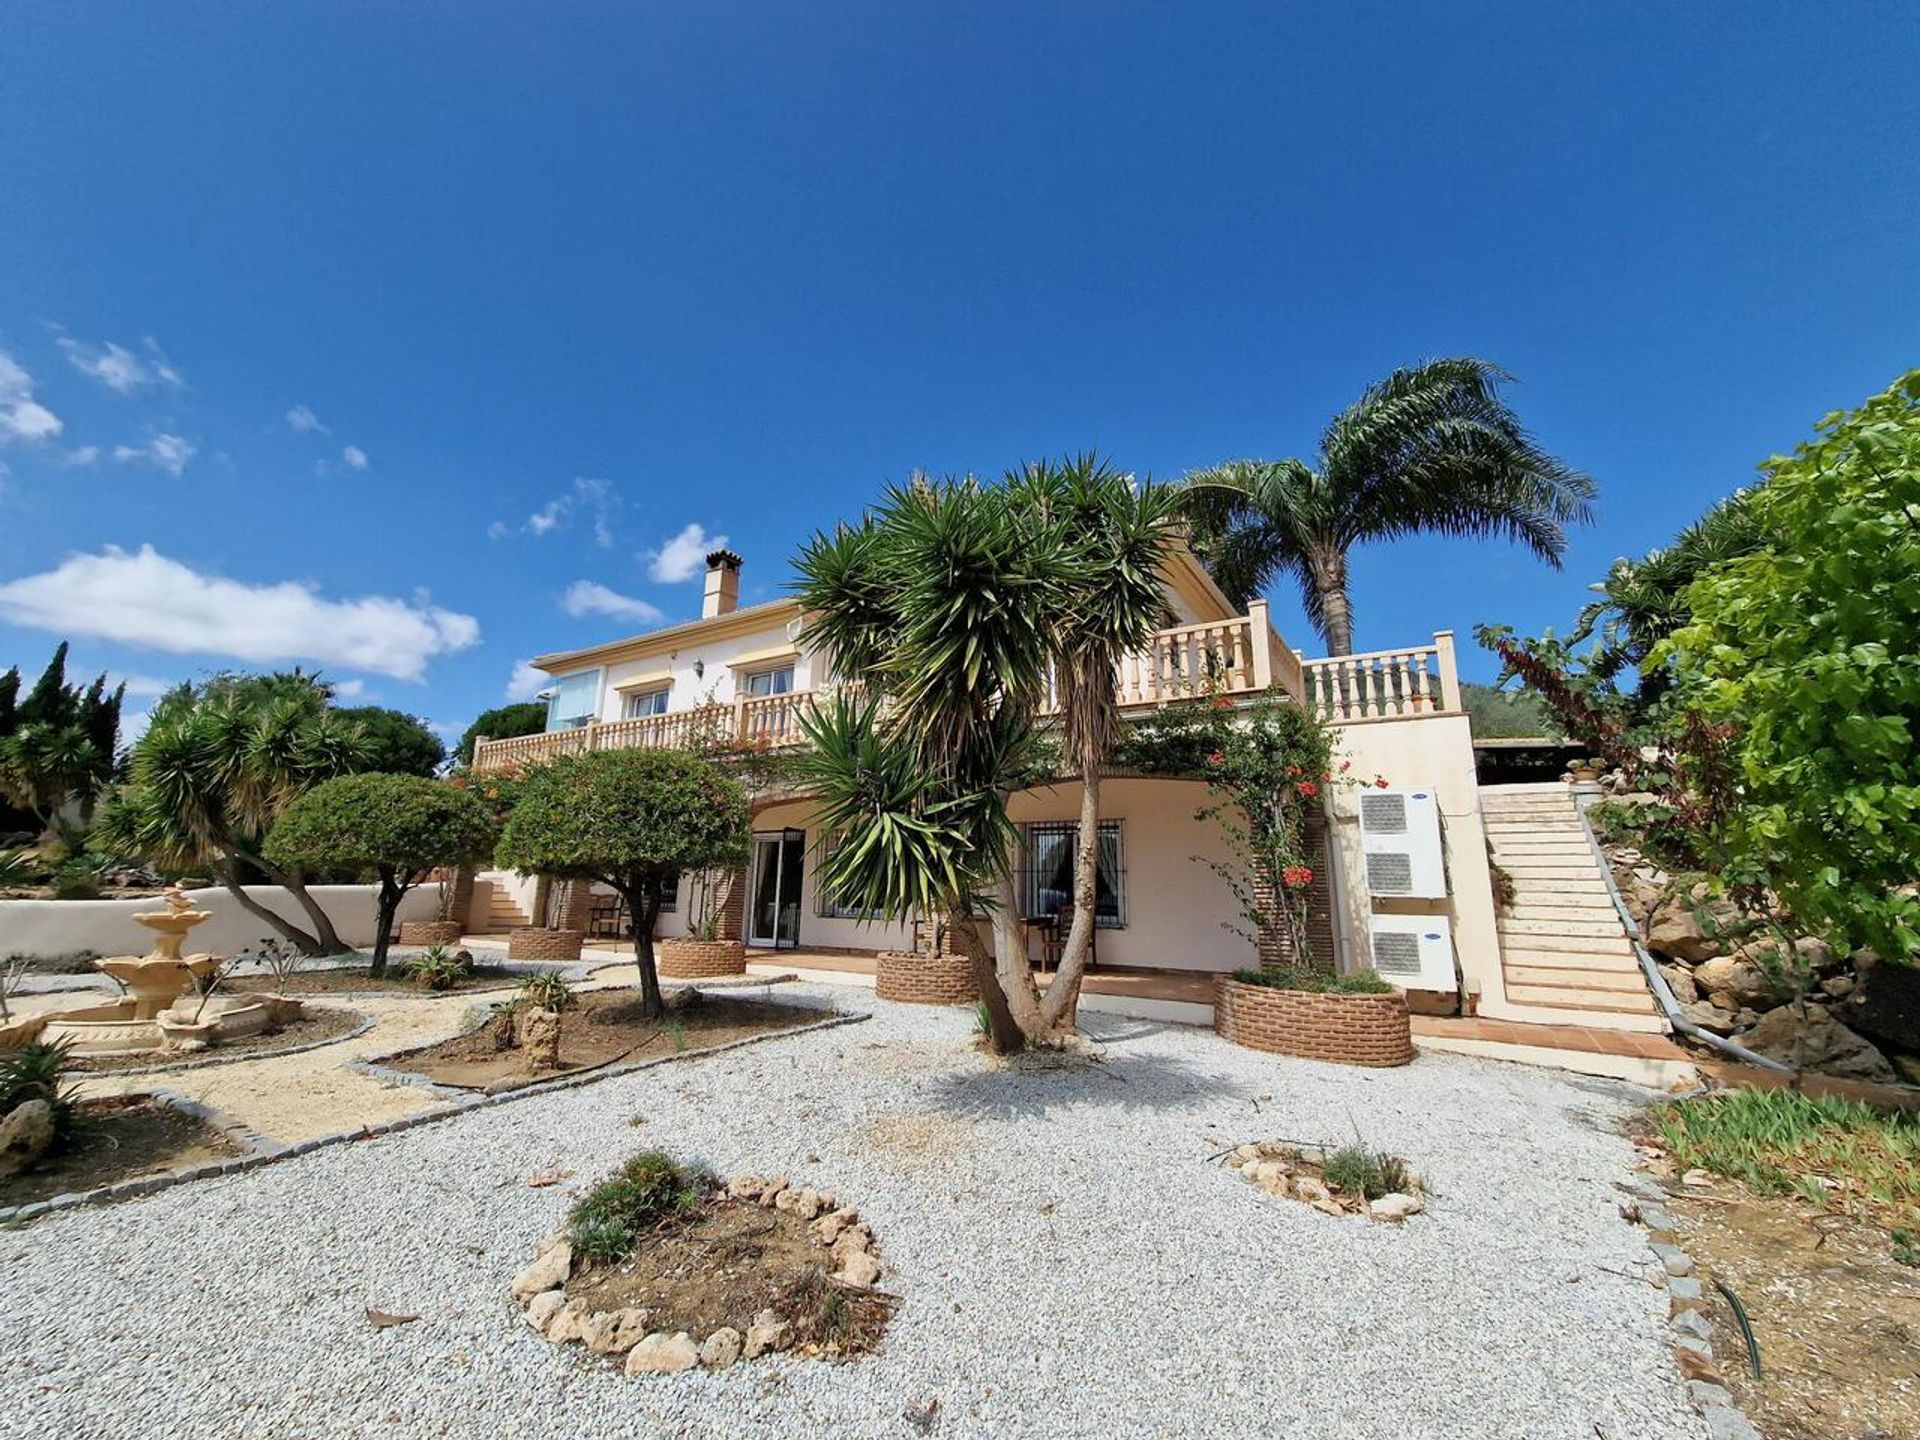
(1328, 565)
(643, 904)
(385, 908)
(1004, 1036)
(288, 931)
(1060, 1010)
(1014, 971)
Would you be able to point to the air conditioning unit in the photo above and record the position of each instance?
(1414, 952)
(1400, 837)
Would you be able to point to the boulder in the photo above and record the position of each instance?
(1886, 1002)
(1709, 1016)
(25, 1136)
(614, 1332)
(1818, 1042)
(540, 1037)
(548, 1272)
(545, 1305)
(1680, 978)
(1691, 927)
(768, 1332)
(663, 1354)
(567, 1323)
(1740, 976)
(1395, 1207)
(721, 1348)
(858, 1269)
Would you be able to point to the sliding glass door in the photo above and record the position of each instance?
(773, 909)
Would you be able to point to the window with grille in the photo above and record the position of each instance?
(1051, 851)
(668, 892)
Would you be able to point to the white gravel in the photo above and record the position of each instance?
(1071, 1263)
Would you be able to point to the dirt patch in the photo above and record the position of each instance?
(313, 1026)
(606, 1026)
(725, 1265)
(914, 1137)
(1837, 1317)
(356, 980)
(117, 1139)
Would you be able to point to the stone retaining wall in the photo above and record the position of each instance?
(1314, 1025)
(679, 959)
(533, 943)
(924, 979)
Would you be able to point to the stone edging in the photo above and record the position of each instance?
(1687, 1315)
(367, 1022)
(1347, 1028)
(267, 1151)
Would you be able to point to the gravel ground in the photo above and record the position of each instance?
(1070, 1261)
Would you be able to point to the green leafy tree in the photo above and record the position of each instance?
(219, 763)
(394, 827)
(57, 743)
(1431, 449)
(504, 723)
(628, 819)
(1805, 655)
(1497, 714)
(397, 743)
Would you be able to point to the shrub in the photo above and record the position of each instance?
(439, 968)
(1360, 982)
(34, 1072)
(546, 991)
(1361, 1171)
(652, 1189)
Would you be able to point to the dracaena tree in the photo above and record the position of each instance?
(395, 827)
(1430, 449)
(630, 820)
(220, 761)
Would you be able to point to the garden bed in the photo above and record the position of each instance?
(313, 1027)
(125, 1137)
(355, 980)
(1346, 1027)
(604, 1027)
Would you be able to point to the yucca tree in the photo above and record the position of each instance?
(938, 605)
(1117, 536)
(1432, 448)
(217, 766)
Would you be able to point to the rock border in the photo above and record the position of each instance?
(1272, 1166)
(207, 1062)
(1687, 1315)
(271, 1151)
(540, 1289)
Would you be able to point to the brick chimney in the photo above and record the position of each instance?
(723, 584)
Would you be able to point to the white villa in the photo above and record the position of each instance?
(1409, 886)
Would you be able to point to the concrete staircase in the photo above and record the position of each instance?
(502, 914)
(1564, 956)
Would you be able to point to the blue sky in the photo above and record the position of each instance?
(431, 317)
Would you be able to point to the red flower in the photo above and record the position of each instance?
(1381, 781)
(1293, 771)
(1222, 702)
(1216, 759)
(1345, 765)
(1307, 788)
(1297, 876)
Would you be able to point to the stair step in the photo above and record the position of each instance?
(1524, 873)
(1613, 962)
(1615, 944)
(1608, 980)
(1571, 908)
(1569, 998)
(1562, 927)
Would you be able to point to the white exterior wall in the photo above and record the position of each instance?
(107, 927)
(1434, 752)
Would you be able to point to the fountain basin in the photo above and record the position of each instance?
(115, 1028)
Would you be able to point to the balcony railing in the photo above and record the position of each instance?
(1386, 684)
(1241, 656)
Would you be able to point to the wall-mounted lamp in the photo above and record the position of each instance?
(699, 669)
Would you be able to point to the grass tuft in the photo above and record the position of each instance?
(1360, 982)
(650, 1190)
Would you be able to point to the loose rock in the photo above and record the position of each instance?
(768, 1332)
(663, 1354)
(548, 1272)
(721, 1349)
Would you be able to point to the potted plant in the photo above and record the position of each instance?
(702, 953)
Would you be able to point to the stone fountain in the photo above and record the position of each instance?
(162, 1008)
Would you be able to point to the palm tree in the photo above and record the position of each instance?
(1117, 536)
(1430, 448)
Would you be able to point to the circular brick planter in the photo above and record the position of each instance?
(700, 959)
(924, 979)
(1314, 1025)
(429, 932)
(532, 943)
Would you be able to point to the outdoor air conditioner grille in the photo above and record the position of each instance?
(1389, 872)
(1396, 953)
(1384, 814)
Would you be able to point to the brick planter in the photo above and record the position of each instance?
(924, 979)
(1346, 1029)
(533, 943)
(699, 959)
(429, 932)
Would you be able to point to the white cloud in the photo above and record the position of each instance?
(302, 421)
(119, 368)
(584, 597)
(682, 557)
(81, 455)
(144, 598)
(348, 689)
(164, 452)
(595, 499)
(355, 457)
(527, 682)
(21, 416)
(141, 686)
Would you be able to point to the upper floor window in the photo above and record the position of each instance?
(638, 703)
(575, 702)
(769, 682)
(1051, 850)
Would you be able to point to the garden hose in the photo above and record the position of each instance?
(1746, 1326)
